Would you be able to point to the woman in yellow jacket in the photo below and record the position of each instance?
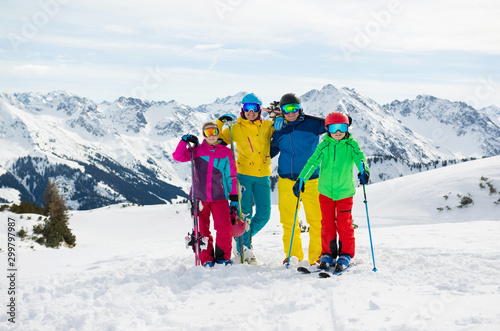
(252, 136)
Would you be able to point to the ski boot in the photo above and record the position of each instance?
(326, 261)
(224, 262)
(249, 256)
(342, 263)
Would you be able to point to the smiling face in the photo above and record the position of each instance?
(291, 116)
(251, 115)
(338, 135)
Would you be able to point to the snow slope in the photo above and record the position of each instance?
(130, 270)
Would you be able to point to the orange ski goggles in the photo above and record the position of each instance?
(211, 132)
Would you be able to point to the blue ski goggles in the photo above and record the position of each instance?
(290, 108)
(255, 107)
(342, 127)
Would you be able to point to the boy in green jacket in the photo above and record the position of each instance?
(337, 154)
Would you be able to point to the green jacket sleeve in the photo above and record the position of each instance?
(358, 156)
(314, 162)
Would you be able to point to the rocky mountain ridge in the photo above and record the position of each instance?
(109, 152)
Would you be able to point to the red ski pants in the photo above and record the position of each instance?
(336, 219)
(222, 225)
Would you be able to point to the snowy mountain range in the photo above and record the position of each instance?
(111, 152)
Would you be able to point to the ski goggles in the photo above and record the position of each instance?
(342, 127)
(211, 132)
(255, 107)
(290, 108)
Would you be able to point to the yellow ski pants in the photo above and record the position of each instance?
(287, 204)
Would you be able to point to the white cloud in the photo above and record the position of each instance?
(120, 29)
(209, 46)
(273, 46)
(30, 69)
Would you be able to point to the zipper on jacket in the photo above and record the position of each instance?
(251, 147)
(293, 153)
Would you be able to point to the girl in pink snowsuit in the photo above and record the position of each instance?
(215, 181)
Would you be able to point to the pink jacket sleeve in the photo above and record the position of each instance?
(182, 152)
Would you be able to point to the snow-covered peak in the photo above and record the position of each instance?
(107, 144)
(232, 99)
(456, 125)
(379, 132)
(493, 112)
(51, 103)
(427, 106)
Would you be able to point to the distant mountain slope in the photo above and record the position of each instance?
(455, 126)
(102, 153)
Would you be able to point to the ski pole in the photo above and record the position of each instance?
(362, 166)
(293, 230)
(240, 241)
(196, 225)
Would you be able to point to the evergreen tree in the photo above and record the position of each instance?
(56, 228)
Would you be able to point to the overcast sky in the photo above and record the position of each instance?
(198, 50)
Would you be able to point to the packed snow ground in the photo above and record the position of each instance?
(130, 269)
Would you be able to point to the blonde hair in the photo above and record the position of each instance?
(209, 124)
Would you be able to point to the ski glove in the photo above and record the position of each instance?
(227, 118)
(189, 138)
(298, 186)
(363, 178)
(278, 123)
(234, 203)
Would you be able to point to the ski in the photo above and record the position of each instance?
(196, 236)
(311, 270)
(329, 273)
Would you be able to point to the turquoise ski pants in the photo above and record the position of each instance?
(254, 190)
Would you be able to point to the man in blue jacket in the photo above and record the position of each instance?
(296, 141)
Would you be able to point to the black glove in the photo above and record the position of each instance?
(234, 204)
(189, 138)
(227, 118)
(299, 185)
(363, 178)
